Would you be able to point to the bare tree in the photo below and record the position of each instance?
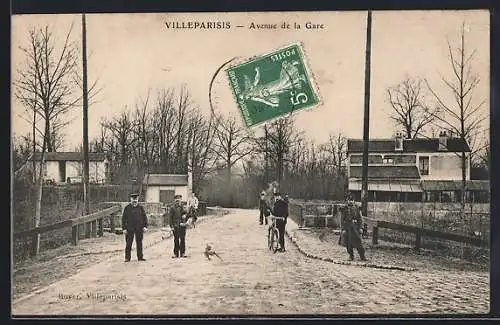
(409, 110)
(232, 142)
(46, 86)
(122, 128)
(337, 148)
(164, 128)
(183, 106)
(48, 73)
(464, 116)
(281, 137)
(201, 134)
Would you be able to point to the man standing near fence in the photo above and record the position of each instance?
(280, 209)
(350, 236)
(134, 224)
(177, 219)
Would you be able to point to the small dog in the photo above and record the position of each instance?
(210, 252)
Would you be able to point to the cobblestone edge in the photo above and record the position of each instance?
(339, 262)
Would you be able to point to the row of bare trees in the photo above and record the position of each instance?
(168, 133)
(164, 133)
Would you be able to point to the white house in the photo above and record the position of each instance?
(163, 187)
(67, 167)
(416, 170)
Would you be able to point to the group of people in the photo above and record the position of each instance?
(352, 230)
(135, 223)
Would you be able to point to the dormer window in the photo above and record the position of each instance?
(399, 142)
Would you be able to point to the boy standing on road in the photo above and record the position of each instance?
(134, 223)
(177, 220)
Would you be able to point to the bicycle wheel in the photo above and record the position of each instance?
(275, 241)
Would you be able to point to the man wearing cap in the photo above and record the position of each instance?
(177, 219)
(134, 224)
(351, 223)
(280, 209)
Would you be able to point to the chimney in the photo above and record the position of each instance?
(443, 143)
(399, 141)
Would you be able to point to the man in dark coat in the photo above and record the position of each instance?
(280, 209)
(177, 219)
(134, 224)
(351, 223)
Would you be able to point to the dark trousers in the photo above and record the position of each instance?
(280, 224)
(179, 240)
(361, 251)
(129, 238)
(262, 218)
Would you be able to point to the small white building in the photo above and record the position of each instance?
(161, 188)
(67, 167)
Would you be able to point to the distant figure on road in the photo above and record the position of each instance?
(263, 208)
(280, 209)
(177, 219)
(134, 223)
(193, 209)
(350, 237)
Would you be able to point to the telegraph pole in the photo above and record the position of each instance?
(86, 209)
(366, 118)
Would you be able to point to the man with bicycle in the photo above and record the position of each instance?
(280, 210)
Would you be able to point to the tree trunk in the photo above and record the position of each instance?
(39, 185)
(464, 185)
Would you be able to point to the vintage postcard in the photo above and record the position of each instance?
(251, 163)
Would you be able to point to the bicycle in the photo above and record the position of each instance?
(273, 234)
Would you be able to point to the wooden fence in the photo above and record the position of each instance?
(421, 232)
(301, 212)
(93, 225)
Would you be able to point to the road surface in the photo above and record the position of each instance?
(251, 280)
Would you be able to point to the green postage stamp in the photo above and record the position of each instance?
(272, 85)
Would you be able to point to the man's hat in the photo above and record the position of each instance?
(177, 196)
(134, 195)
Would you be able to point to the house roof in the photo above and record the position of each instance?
(455, 185)
(386, 172)
(69, 156)
(409, 145)
(166, 179)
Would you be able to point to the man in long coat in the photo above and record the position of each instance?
(350, 236)
(134, 224)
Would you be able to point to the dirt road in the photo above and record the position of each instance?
(251, 280)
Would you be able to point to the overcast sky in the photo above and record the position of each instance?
(131, 53)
